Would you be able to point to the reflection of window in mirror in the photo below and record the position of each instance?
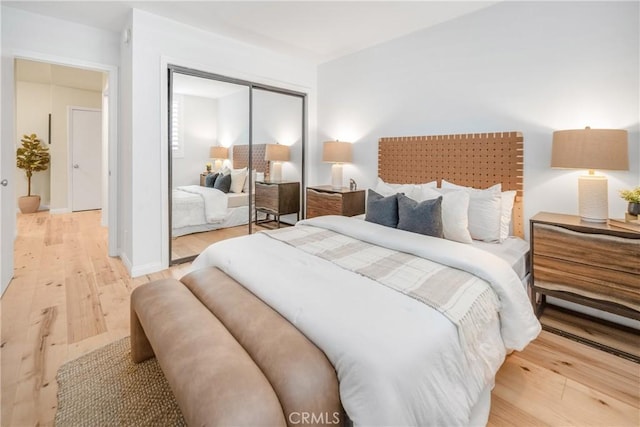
(177, 127)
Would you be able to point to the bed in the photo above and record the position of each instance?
(196, 208)
(415, 326)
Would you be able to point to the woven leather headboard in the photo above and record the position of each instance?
(241, 157)
(475, 160)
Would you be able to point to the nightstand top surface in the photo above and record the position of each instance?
(268, 181)
(574, 222)
(330, 189)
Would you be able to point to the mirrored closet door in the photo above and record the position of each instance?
(236, 161)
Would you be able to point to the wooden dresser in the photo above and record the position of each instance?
(324, 200)
(592, 264)
(277, 198)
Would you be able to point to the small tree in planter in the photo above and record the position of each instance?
(32, 157)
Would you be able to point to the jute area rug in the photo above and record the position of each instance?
(105, 388)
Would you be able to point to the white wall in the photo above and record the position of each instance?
(533, 67)
(233, 121)
(277, 118)
(200, 125)
(156, 42)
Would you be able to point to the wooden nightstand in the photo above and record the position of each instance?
(203, 177)
(592, 264)
(324, 200)
(277, 198)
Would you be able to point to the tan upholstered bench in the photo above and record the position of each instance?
(229, 358)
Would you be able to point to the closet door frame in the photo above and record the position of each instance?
(171, 69)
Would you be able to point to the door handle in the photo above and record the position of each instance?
(4, 182)
(76, 166)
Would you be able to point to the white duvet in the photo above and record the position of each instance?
(197, 205)
(398, 361)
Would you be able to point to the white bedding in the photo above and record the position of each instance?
(399, 362)
(195, 205)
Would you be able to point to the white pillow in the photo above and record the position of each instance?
(508, 199)
(385, 189)
(246, 182)
(485, 211)
(238, 177)
(455, 207)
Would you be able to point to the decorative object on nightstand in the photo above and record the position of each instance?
(591, 264)
(603, 149)
(633, 198)
(325, 200)
(277, 199)
(336, 152)
(218, 154)
(277, 154)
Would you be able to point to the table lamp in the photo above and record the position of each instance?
(336, 152)
(277, 154)
(219, 154)
(603, 149)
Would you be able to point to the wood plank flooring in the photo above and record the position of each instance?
(68, 298)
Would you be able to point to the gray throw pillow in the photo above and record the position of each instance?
(382, 210)
(210, 179)
(423, 217)
(223, 183)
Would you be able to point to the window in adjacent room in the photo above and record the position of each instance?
(177, 129)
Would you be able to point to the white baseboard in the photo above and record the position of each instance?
(141, 270)
(58, 211)
(126, 262)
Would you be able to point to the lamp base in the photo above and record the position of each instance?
(276, 172)
(336, 176)
(593, 200)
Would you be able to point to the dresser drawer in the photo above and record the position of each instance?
(319, 203)
(599, 250)
(266, 196)
(598, 266)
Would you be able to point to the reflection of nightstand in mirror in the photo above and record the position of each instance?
(203, 176)
(277, 198)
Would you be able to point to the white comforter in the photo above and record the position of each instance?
(399, 362)
(196, 205)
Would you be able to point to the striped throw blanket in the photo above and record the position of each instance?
(466, 300)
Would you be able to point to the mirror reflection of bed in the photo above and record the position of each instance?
(202, 215)
(211, 122)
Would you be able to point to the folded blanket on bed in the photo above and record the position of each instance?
(215, 202)
(466, 300)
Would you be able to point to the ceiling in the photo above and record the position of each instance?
(315, 30)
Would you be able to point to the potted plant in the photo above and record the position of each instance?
(32, 157)
(633, 197)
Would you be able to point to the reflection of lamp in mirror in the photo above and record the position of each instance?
(336, 152)
(219, 154)
(603, 149)
(277, 154)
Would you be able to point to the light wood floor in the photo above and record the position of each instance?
(68, 298)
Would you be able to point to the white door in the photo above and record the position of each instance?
(86, 159)
(7, 173)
